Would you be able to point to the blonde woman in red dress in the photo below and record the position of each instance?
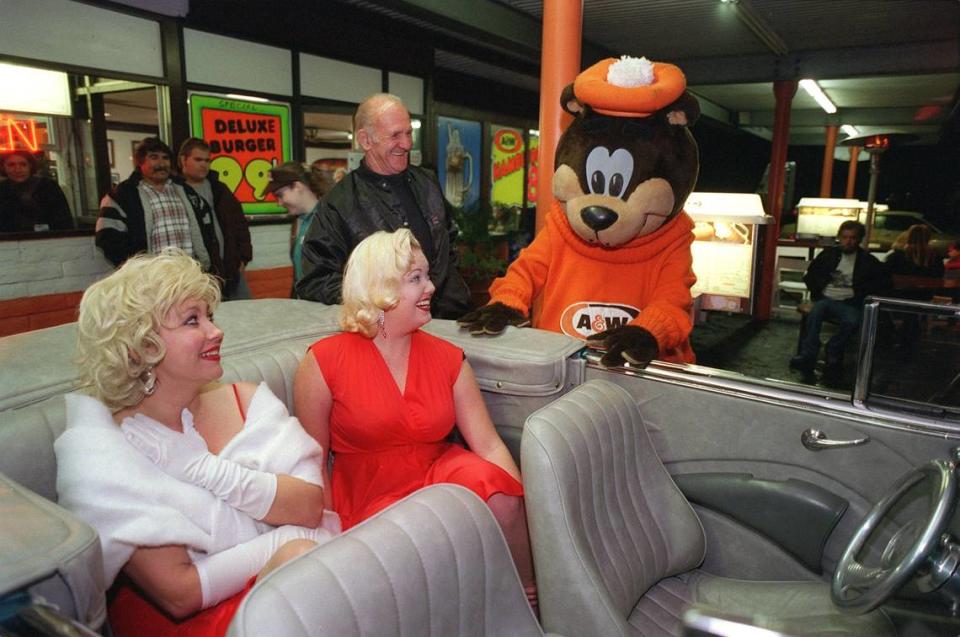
(385, 396)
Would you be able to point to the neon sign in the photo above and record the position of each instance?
(20, 134)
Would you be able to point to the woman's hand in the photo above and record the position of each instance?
(178, 454)
(185, 457)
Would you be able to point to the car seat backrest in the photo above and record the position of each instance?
(606, 520)
(434, 563)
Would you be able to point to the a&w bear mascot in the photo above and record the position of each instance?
(613, 262)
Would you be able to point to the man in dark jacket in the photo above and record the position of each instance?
(151, 210)
(384, 193)
(212, 194)
(839, 279)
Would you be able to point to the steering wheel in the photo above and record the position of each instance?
(858, 588)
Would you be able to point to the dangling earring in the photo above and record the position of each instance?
(149, 378)
(383, 331)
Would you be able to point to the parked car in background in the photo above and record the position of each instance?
(820, 217)
(888, 225)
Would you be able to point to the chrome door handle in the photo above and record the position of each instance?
(816, 440)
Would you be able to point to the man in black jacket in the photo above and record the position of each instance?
(839, 279)
(384, 193)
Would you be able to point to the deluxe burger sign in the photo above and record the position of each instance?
(246, 140)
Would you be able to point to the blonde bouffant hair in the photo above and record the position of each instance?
(118, 338)
(371, 280)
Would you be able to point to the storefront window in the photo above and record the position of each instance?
(328, 141)
(64, 139)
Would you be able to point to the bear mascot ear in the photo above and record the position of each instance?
(685, 111)
(569, 101)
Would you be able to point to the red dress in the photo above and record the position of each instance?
(387, 444)
(132, 615)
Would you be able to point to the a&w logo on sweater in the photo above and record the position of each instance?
(580, 320)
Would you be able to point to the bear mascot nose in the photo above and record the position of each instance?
(598, 218)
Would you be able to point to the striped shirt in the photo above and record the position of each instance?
(171, 225)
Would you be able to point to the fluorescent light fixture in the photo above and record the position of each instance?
(811, 87)
(534, 132)
(415, 123)
(30, 90)
(251, 98)
(849, 130)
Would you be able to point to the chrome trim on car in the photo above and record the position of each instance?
(813, 399)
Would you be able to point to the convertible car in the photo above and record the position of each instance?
(672, 500)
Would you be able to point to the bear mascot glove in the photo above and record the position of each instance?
(492, 319)
(627, 344)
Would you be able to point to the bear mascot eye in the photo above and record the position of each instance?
(609, 173)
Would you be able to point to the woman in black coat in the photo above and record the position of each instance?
(28, 202)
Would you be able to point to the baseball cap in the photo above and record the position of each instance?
(284, 175)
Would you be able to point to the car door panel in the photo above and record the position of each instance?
(806, 514)
(705, 427)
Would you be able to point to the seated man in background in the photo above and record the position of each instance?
(839, 279)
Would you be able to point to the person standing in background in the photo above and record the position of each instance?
(300, 192)
(151, 210)
(236, 248)
(383, 193)
(29, 202)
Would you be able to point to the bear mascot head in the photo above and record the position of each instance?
(613, 263)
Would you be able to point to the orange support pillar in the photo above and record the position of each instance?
(783, 90)
(826, 178)
(559, 65)
(852, 171)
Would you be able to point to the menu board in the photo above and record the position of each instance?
(247, 139)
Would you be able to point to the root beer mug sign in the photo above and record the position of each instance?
(246, 140)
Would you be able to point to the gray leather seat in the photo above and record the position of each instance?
(434, 563)
(616, 544)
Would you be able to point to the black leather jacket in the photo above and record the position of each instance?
(363, 203)
(869, 275)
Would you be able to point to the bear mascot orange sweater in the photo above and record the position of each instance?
(613, 264)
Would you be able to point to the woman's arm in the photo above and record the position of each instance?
(274, 498)
(168, 577)
(312, 402)
(296, 502)
(474, 423)
(181, 587)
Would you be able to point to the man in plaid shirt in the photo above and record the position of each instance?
(152, 210)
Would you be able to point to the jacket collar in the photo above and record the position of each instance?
(376, 178)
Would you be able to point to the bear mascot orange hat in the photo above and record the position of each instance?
(613, 264)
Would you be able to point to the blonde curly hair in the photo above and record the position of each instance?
(118, 339)
(371, 280)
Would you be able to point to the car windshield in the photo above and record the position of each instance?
(913, 354)
(899, 222)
